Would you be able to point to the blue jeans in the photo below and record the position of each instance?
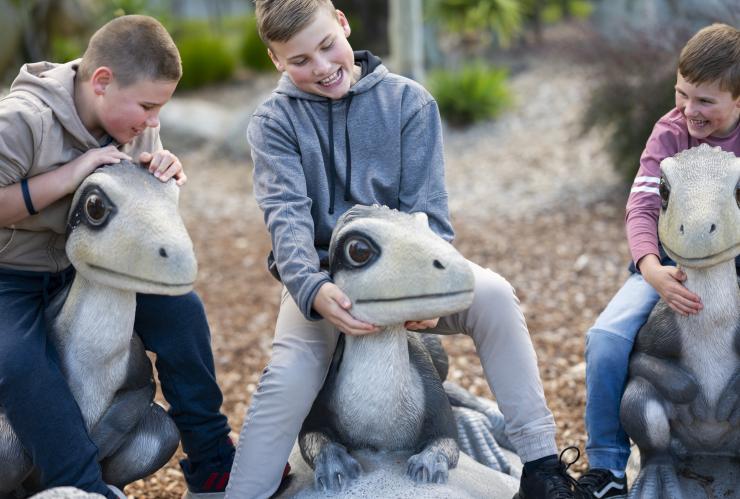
(41, 408)
(608, 346)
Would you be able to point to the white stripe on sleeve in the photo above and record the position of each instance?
(647, 180)
(653, 190)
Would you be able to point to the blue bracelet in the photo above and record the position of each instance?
(27, 197)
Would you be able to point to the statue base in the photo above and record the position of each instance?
(385, 476)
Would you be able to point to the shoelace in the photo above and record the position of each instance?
(563, 485)
(594, 479)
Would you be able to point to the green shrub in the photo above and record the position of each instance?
(253, 52)
(636, 90)
(65, 49)
(205, 59)
(465, 17)
(553, 11)
(474, 93)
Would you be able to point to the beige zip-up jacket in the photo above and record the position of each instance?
(41, 130)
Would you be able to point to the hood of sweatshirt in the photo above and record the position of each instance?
(53, 84)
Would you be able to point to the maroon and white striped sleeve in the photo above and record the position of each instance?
(643, 204)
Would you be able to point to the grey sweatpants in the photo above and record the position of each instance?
(301, 354)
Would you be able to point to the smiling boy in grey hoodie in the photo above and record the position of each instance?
(341, 130)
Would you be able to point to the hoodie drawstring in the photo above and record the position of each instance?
(331, 159)
(348, 152)
(348, 176)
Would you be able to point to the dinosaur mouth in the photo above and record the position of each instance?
(413, 297)
(704, 261)
(139, 279)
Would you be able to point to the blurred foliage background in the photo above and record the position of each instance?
(470, 48)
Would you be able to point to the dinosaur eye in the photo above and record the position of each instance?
(737, 195)
(665, 192)
(358, 251)
(96, 210)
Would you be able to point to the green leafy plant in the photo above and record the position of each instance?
(205, 59)
(501, 17)
(253, 51)
(65, 49)
(474, 93)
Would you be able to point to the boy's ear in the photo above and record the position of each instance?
(275, 61)
(344, 23)
(100, 79)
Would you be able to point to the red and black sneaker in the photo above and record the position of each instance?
(209, 480)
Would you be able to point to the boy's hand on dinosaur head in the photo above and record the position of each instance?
(164, 165)
(334, 305)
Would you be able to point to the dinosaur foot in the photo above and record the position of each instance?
(429, 466)
(656, 480)
(335, 468)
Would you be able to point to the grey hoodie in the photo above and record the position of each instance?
(314, 158)
(40, 130)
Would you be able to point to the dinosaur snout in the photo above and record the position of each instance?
(699, 230)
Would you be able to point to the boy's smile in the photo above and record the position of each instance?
(319, 59)
(709, 111)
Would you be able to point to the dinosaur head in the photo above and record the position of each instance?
(394, 268)
(124, 231)
(699, 223)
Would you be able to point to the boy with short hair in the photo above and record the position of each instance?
(707, 111)
(59, 123)
(340, 130)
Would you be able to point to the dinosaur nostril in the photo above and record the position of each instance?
(712, 228)
(162, 253)
(439, 265)
(681, 228)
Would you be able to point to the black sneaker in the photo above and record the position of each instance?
(602, 484)
(548, 479)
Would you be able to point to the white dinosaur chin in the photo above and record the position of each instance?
(413, 274)
(389, 313)
(703, 262)
(102, 258)
(127, 233)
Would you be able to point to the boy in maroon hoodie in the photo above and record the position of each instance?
(707, 112)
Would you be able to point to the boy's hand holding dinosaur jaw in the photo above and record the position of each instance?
(333, 305)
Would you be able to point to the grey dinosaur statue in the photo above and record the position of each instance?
(384, 391)
(124, 237)
(681, 405)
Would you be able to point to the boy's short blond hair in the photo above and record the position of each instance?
(713, 54)
(134, 48)
(280, 20)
